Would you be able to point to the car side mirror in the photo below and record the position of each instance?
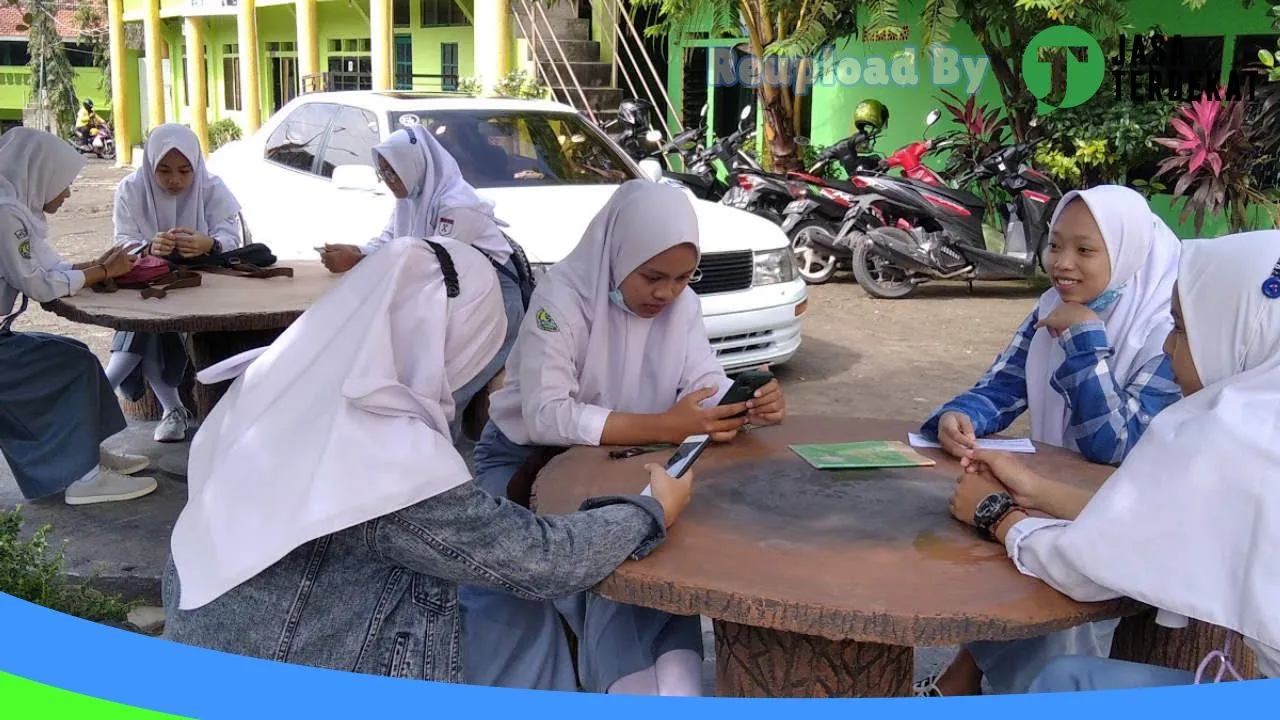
(652, 169)
(357, 177)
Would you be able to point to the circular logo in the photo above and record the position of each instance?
(1083, 78)
(1271, 287)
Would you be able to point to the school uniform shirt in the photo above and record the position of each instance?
(29, 266)
(581, 355)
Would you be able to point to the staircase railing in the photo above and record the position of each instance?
(555, 42)
(612, 9)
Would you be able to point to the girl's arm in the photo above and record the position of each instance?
(226, 234)
(1106, 416)
(1032, 545)
(1000, 396)
(30, 265)
(466, 535)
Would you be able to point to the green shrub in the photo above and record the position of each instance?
(519, 84)
(31, 571)
(223, 132)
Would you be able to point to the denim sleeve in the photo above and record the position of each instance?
(1106, 415)
(468, 536)
(999, 396)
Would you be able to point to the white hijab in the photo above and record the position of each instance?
(35, 167)
(343, 419)
(201, 206)
(631, 364)
(1191, 520)
(1144, 265)
(438, 193)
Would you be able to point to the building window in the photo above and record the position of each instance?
(400, 13)
(231, 77)
(449, 66)
(349, 66)
(404, 62)
(13, 53)
(442, 13)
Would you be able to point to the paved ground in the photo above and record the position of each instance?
(860, 356)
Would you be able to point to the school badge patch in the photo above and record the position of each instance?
(546, 322)
(446, 227)
(24, 249)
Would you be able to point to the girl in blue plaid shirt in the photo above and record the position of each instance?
(1088, 364)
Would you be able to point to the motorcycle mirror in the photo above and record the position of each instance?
(703, 111)
(746, 112)
(933, 117)
(653, 136)
(1034, 122)
(801, 140)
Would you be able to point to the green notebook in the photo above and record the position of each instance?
(870, 454)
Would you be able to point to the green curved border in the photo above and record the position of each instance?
(21, 698)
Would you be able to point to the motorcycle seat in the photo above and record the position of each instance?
(964, 198)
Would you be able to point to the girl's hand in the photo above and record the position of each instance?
(1066, 315)
(956, 435)
(117, 263)
(163, 244)
(971, 488)
(689, 418)
(191, 243)
(768, 406)
(1006, 469)
(672, 493)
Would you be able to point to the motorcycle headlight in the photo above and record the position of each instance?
(774, 266)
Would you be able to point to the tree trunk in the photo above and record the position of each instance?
(780, 131)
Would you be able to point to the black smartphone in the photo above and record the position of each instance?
(684, 457)
(745, 386)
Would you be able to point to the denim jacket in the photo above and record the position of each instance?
(381, 597)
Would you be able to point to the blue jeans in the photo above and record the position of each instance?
(1073, 673)
(1009, 666)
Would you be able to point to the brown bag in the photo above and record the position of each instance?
(156, 287)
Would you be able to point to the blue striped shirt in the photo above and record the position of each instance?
(1106, 415)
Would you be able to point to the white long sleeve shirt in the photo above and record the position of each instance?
(1033, 547)
(29, 266)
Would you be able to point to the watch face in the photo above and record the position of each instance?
(989, 506)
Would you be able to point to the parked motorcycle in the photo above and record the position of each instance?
(905, 232)
(634, 131)
(101, 142)
(814, 219)
(701, 175)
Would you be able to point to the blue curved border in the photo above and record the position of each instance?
(103, 662)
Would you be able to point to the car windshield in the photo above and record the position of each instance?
(517, 149)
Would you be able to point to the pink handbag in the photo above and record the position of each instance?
(146, 269)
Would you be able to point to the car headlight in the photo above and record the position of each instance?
(774, 266)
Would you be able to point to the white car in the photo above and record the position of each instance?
(307, 178)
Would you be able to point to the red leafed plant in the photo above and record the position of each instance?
(982, 133)
(1214, 156)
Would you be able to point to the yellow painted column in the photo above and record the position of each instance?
(121, 100)
(492, 37)
(308, 39)
(151, 42)
(197, 81)
(380, 34)
(250, 90)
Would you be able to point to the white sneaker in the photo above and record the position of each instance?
(108, 486)
(173, 426)
(123, 463)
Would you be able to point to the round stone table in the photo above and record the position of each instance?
(225, 315)
(821, 583)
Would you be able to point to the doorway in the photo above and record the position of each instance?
(284, 73)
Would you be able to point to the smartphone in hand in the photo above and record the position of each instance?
(683, 458)
(745, 386)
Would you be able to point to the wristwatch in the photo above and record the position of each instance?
(991, 510)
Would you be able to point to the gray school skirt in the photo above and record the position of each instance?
(168, 350)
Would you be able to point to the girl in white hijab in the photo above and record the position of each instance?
(433, 198)
(56, 406)
(170, 205)
(1189, 522)
(614, 353)
(329, 515)
(1087, 364)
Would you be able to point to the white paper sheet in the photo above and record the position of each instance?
(1019, 445)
